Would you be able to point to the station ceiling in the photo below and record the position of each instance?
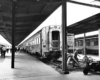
(29, 14)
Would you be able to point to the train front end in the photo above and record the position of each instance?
(54, 42)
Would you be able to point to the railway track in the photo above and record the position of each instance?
(57, 65)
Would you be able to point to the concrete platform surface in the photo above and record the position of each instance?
(30, 68)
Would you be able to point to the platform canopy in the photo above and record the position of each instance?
(29, 14)
(91, 23)
(87, 25)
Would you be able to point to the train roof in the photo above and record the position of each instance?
(88, 37)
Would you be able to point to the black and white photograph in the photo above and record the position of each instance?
(49, 40)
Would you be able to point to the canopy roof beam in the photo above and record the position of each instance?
(84, 4)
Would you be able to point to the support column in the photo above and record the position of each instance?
(13, 33)
(64, 39)
(73, 42)
(99, 42)
(84, 41)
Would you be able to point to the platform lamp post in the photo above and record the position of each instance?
(13, 33)
(64, 39)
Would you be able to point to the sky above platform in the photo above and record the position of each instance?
(76, 13)
(4, 41)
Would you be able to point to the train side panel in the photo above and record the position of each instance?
(45, 40)
(37, 45)
(34, 45)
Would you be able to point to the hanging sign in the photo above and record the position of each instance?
(70, 39)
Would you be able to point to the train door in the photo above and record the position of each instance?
(54, 40)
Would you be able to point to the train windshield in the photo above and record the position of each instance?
(55, 40)
(55, 35)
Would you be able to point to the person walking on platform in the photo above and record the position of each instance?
(3, 51)
(7, 50)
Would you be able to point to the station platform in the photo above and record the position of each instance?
(29, 68)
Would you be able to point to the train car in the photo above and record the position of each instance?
(45, 42)
(48, 41)
(91, 44)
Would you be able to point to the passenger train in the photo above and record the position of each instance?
(91, 44)
(46, 43)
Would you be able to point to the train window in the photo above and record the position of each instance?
(80, 42)
(36, 40)
(76, 43)
(87, 42)
(95, 41)
(92, 43)
(33, 42)
(30, 43)
(39, 40)
(55, 35)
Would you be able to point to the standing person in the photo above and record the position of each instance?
(10, 50)
(76, 55)
(4, 51)
(7, 50)
(1, 51)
